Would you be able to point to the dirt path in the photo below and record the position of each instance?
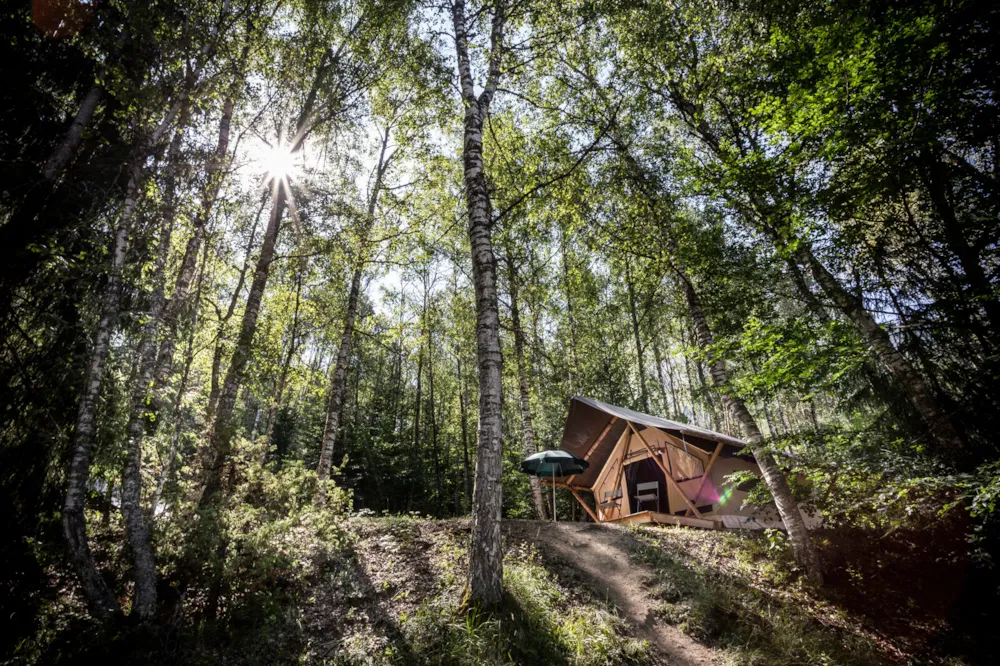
(600, 553)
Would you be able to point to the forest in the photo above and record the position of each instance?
(292, 287)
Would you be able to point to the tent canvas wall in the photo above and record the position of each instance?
(625, 448)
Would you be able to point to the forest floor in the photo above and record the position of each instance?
(390, 590)
(579, 593)
(602, 555)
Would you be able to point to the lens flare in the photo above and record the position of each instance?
(280, 163)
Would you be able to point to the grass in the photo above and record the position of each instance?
(389, 591)
(539, 621)
(741, 593)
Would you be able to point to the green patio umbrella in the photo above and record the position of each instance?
(551, 464)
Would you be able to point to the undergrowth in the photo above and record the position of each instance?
(538, 622)
(733, 610)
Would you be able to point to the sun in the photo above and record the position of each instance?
(280, 162)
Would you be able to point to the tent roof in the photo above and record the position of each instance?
(591, 419)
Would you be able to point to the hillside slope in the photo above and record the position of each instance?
(389, 591)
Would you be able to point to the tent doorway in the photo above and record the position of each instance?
(646, 471)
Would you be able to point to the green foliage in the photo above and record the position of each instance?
(637, 153)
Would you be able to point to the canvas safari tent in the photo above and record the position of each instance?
(648, 469)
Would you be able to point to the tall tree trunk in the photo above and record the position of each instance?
(938, 185)
(63, 153)
(640, 361)
(175, 409)
(574, 377)
(185, 274)
(485, 555)
(463, 408)
(416, 455)
(99, 598)
(432, 417)
(798, 534)
(101, 601)
(282, 380)
(137, 529)
(915, 387)
(661, 382)
(523, 385)
(221, 434)
(217, 354)
(339, 382)
(672, 375)
(338, 387)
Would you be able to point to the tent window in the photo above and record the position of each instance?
(684, 465)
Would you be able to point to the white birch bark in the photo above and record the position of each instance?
(485, 556)
(137, 527)
(64, 152)
(100, 599)
(791, 516)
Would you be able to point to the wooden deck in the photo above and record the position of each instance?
(666, 519)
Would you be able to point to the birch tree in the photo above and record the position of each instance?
(486, 556)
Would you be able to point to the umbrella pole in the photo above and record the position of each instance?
(555, 517)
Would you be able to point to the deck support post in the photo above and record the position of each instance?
(583, 504)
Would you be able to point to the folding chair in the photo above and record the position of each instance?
(643, 494)
(612, 500)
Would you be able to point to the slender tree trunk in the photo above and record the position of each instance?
(463, 407)
(221, 435)
(102, 603)
(175, 410)
(672, 375)
(913, 384)
(524, 387)
(293, 339)
(783, 420)
(658, 357)
(640, 362)
(109, 505)
(137, 528)
(936, 179)
(64, 152)
(338, 387)
(432, 417)
(485, 555)
(571, 319)
(690, 382)
(343, 355)
(791, 516)
(415, 451)
(99, 597)
(214, 382)
(185, 274)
